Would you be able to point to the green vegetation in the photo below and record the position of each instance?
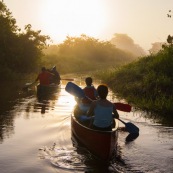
(146, 83)
(81, 54)
(20, 52)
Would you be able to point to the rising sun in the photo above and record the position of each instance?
(61, 18)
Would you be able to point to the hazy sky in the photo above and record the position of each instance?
(145, 21)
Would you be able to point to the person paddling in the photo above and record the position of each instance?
(90, 91)
(44, 77)
(102, 110)
(56, 78)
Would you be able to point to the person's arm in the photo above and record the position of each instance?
(91, 109)
(37, 78)
(115, 113)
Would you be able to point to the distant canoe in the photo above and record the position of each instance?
(102, 144)
(44, 91)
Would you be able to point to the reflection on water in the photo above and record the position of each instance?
(35, 136)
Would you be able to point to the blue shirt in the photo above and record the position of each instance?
(103, 116)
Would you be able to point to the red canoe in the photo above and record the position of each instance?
(102, 144)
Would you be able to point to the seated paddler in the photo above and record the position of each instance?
(102, 110)
(90, 93)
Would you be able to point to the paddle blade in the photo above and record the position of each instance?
(123, 107)
(131, 128)
(74, 90)
(28, 85)
(131, 137)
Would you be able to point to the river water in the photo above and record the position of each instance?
(35, 136)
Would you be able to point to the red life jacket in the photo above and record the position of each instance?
(89, 92)
(44, 78)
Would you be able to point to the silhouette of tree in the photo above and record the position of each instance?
(20, 52)
(124, 42)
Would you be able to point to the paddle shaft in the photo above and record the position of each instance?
(27, 86)
(122, 121)
(68, 79)
(119, 106)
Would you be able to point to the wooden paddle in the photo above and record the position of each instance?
(27, 85)
(76, 91)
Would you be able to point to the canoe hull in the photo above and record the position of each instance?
(44, 91)
(100, 143)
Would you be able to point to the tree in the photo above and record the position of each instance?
(156, 47)
(20, 52)
(169, 14)
(170, 39)
(124, 42)
(29, 49)
(85, 53)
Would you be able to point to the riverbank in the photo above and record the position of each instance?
(146, 84)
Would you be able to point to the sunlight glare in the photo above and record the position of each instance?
(66, 99)
(61, 18)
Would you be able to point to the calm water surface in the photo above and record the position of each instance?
(35, 136)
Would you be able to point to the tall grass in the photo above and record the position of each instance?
(146, 83)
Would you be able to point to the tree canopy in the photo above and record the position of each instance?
(85, 53)
(124, 42)
(20, 51)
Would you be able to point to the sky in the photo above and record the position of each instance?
(145, 21)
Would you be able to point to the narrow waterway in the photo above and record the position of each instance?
(35, 136)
